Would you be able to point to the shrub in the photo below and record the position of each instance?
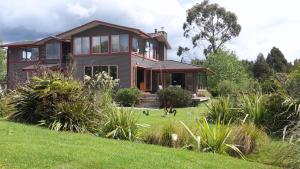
(223, 109)
(175, 97)
(213, 138)
(286, 156)
(248, 138)
(170, 135)
(225, 88)
(269, 86)
(255, 107)
(61, 103)
(128, 96)
(121, 124)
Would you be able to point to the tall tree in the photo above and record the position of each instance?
(261, 70)
(210, 25)
(277, 61)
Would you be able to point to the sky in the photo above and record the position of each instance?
(265, 23)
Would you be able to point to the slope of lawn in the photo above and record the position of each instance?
(23, 146)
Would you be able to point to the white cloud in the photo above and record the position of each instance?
(264, 23)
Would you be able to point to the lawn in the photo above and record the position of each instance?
(23, 146)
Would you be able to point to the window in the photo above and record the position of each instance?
(120, 43)
(53, 51)
(112, 70)
(88, 71)
(100, 44)
(150, 50)
(81, 45)
(30, 54)
(135, 45)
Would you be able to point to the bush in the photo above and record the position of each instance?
(226, 88)
(5, 107)
(170, 135)
(255, 107)
(223, 109)
(61, 103)
(175, 97)
(213, 138)
(248, 138)
(128, 96)
(120, 124)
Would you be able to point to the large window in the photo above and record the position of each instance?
(30, 54)
(112, 70)
(120, 43)
(100, 44)
(53, 51)
(135, 45)
(81, 45)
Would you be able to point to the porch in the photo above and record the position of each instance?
(170, 73)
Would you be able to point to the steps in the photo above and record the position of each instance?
(149, 100)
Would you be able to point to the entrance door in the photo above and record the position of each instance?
(148, 79)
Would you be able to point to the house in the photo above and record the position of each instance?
(137, 58)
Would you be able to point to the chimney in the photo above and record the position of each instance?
(162, 28)
(155, 30)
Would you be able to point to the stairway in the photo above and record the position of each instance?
(149, 100)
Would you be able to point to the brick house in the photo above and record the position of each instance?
(137, 58)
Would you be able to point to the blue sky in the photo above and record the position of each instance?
(265, 23)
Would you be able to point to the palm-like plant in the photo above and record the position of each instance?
(121, 124)
(213, 138)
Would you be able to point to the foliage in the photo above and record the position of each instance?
(269, 86)
(226, 67)
(293, 84)
(128, 96)
(287, 156)
(213, 138)
(5, 107)
(261, 70)
(277, 61)
(223, 109)
(211, 24)
(61, 103)
(254, 105)
(171, 135)
(175, 97)
(226, 88)
(121, 124)
(248, 138)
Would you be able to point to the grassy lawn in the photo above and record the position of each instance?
(23, 146)
(187, 115)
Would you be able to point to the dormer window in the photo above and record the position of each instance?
(135, 45)
(53, 50)
(30, 54)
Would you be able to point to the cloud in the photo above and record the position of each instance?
(265, 23)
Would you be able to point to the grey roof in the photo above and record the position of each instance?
(175, 65)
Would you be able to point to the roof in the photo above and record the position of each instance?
(161, 36)
(69, 33)
(177, 66)
(34, 67)
(20, 43)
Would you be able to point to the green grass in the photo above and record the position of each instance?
(23, 146)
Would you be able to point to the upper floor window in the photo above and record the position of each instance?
(53, 51)
(100, 44)
(135, 45)
(81, 45)
(120, 43)
(30, 54)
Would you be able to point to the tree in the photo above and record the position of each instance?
(277, 61)
(248, 66)
(226, 67)
(210, 24)
(261, 70)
